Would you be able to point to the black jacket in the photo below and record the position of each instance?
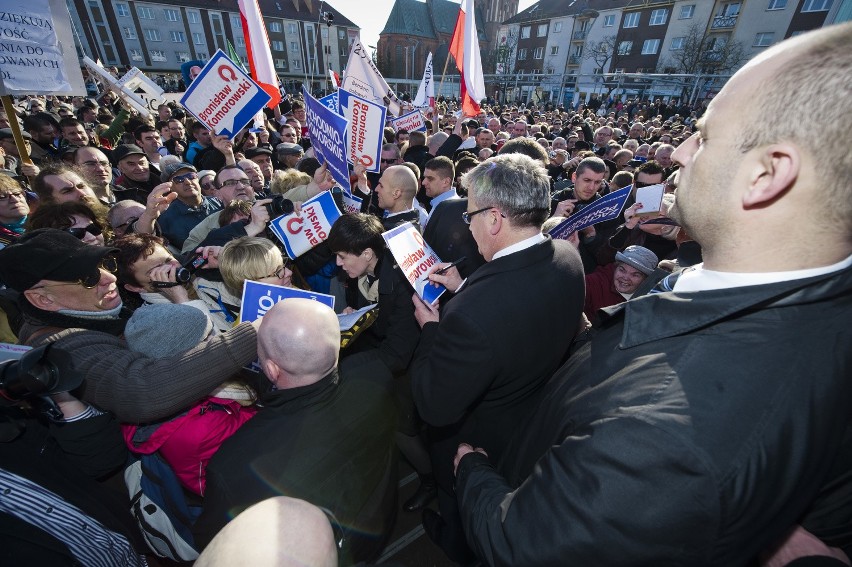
(450, 237)
(695, 429)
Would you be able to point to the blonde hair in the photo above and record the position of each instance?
(285, 180)
(247, 258)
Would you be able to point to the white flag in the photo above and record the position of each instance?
(426, 92)
(362, 78)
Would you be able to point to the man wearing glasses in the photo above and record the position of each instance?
(97, 171)
(190, 207)
(481, 362)
(69, 296)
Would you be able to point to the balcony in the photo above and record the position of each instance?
(575, 59)
(723, 22)
(580, 35)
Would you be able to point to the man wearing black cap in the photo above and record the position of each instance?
(263, 158)
(13, 158)
(190, 207)
(69, 296)
(289, 154)
(136, 174)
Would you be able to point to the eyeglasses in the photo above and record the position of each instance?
(108, 264)
(235, 182)
(280, 272)
(467, 216)
(94, 163)
(126, 223)
(78, 232)
(392, 160)
(15, 194)
(207, 185)
(185, 178)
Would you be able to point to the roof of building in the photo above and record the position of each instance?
(299, 10)
(412, 17)
(549, 9)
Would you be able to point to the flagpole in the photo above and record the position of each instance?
(440, 88)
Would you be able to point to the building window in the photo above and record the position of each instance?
(279, 63)
(624, 47)
(241, 40)
(294, 46)
(123, 10)
(659, 17)
(344, 50)
(522, 54)
(525, 32)
(291, 28)
(650, 47)
(275, 27)
(171, 15)
(816, 6)
(631, 20)
(550, 70)
(557, 27)
(128, 33)
(341, 34)
(677, 43)
(619, 70)
(538, 53)
(197, 38)
(554, 50)
(609, 21)
(178, 37)
(136, 54)
(145, 13)
(201, 55)
(152, 34)
(278, 46)
(236, 23)
(324, 32)
(193, 17)
(297, 64)
(686, 12)
(182, 56)
(158, 55)
(542, 30)
(764, 39)
(777, 4)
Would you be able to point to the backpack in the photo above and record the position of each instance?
(160, 508)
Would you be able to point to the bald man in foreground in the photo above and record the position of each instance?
(325, 435)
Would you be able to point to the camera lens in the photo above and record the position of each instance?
(279, 206)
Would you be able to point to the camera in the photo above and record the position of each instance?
(279, 206)
(189, 267)
(39, 372)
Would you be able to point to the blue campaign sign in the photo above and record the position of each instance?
(258, 298)
(223, 97)
(604, 209)
(328, 132)
(330, 100)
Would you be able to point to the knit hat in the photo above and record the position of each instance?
(48, 254)
(168, 170)
(639, 257)
(166, 329)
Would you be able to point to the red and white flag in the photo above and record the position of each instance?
(335, 78)
(257, 46)
(465, 49)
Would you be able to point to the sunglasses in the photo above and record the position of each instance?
(93, 229)
(185, 177)
(389, 160)
(108, 264)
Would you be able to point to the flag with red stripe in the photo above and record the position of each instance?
(257, 47)
(465, 49)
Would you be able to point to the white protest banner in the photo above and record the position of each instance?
(130, 98)
(351, 204)
(37, 54)
(301, 232)
(223, 97)
(411, 122)
(365, 131)
(426, 91)
(414, 258)
(601, 210)
(328, 137)
(363, 78)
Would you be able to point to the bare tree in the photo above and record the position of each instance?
(701, 52)
(505, 57)
(605, 55)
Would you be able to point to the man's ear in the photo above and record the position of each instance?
(774, 171)
(271, 370)
(41, 299)
(497, 221)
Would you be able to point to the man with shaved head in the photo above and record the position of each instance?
(395, 194)
(325, 434)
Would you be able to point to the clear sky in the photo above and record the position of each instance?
(371, 15)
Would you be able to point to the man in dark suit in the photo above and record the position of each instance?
(325, 435)
(449, 236)
(482, 361)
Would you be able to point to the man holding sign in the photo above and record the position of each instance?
(480, 363)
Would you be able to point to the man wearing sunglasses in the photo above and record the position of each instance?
(190, 207)
(69, 296)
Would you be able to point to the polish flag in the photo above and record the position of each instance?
(465, 49)
(335, 78)
(257, 46)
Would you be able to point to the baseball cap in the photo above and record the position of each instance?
(125, 150)
(258, 151)
(173, 167)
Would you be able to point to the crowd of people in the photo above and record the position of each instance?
(665, 387)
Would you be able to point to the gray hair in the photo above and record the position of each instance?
(516, 184)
